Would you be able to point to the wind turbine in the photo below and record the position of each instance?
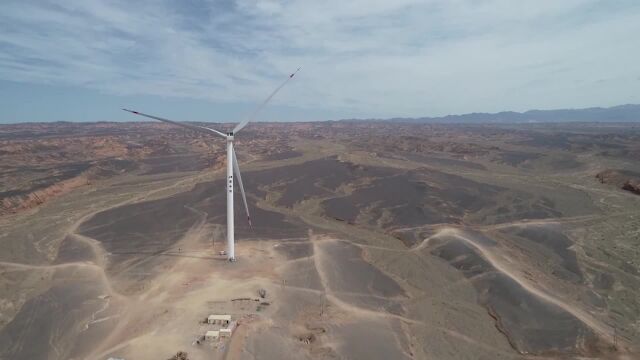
(232, 161)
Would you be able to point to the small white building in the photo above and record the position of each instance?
(225, 332)
(212, 335)
(223, 320)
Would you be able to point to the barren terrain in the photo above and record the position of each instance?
(373, 240)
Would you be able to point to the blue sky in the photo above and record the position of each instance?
(214, 60)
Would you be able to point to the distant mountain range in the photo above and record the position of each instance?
(622, 113)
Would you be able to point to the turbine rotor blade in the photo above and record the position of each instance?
(201, 129)
(236, 169)
(255, 112)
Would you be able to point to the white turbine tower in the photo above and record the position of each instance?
(232, 162)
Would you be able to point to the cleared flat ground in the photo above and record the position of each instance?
(440, 242)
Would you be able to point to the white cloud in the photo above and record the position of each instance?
(362, 58)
